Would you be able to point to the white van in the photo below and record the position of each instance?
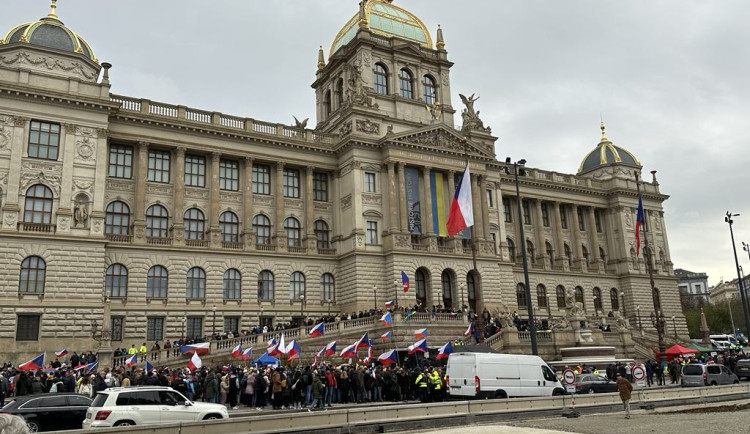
(729, 342)
(486, 375)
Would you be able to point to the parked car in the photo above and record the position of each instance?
(696, 374)
(50, 412)
(591, 383)
(149, 405)
(743, 368)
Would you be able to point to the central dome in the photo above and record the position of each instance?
(385, 19)
(607, 154)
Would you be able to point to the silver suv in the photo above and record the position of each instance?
(126, 406)
(696, 374)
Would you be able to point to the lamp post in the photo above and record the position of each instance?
(518, 167)
(674, 326)
(622, 296)
(549, 308)
(213, 322)
(731, 316)
(329, 307)
(728, 219)
(638, 315)
(395, 287)
(596, 306)
(462, 286)
(375, 296)
(184, 329)
(301, 305)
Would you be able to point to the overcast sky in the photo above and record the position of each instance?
(670, 78)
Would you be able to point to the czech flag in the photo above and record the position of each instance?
(272, 343)
(363, 342)
(469, 330)
(330, 348)
(369, 356)
(194, 363)
(405, 281)
(34, 364)
(61, 353)
(88, 367)
(318, 330)
(320, 353)
(202, 348)
(247, 354)
(237, 351)
(349, 352)
(292, 357)
(385, 336)
(421, 333)
(388, 357)
(461, 215)
(445, 351)
(389, 304)
(279, 349)
(132, 360)
(640, 220)
(149, 367)
(453, 315)
(418, 347)
(387, 319)
(292, 349)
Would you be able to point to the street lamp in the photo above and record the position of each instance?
(728, 219)
(395, 286)
(213, 323)
(301, 305)
(184, 329)
(549, 308)
(731, 316)
(596, 306)
(674, 326)
(462, 286)
(622, 295)
(375, 296)
(329, 307)
(638, 314)
(518, 168)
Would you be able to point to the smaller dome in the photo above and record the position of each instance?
(50, 32)
(607, 154)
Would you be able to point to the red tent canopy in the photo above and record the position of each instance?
(678, 350)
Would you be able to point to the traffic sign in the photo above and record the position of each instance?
(569, 377)
(639, 373)
(570, 388)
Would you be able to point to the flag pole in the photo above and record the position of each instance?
(476, 287)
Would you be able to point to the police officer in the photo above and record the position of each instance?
(422, 383)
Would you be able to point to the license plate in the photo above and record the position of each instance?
(456, 387)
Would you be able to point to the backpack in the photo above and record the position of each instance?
(283, 381)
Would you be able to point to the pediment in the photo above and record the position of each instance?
(439, 137)
(408, 48)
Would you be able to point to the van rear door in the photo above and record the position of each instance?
(461, 371)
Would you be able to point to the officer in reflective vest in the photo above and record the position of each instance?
(422, 382)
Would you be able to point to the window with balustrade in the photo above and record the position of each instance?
(597, 298)
(541, 296)
(511, 249)
(157, 222)
(322, 234)
(33, 275)
(560, 295)
(154, 328)
(579, 296)
(380, 79)
(229, 225)
(293, 232)
(327, 287)
(195, 224)
(265, 285)
(157, 282)
(550, 252)
(446, 281)
(421, 287)
(232, 284)
(406, 84)
(116, 281)
(614, 299)
(117, 219)
(521, 295)
(296, 286)
(526, 212)
(429, 92)
(38, 205)
(195, 284)
(262, 228)
(531, 251)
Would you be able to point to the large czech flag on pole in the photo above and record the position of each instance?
(405, 281)
(34, 364)
(461, 214)
(318, 330)
(194, 363)
(639, 221)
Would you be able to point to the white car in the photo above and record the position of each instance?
(150, 405)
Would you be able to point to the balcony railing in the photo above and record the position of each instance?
(158, 241)
(233, 245)
(327, 251)
(265, 247)
(297, 249)
(445, 249)
(197, 243)
(124, 239)
(420, 247)
(37, 228)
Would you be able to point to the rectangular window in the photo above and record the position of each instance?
(370, 182)
(291, 183)
(526, 214)
(120, 161)
(232, 324)
(371, 236)
(490, 201)
(194, 327)
(158, 166)
(44, 140)
(581, 223)
(116, 327)
(320, 186)
(195, 171)
(506, 211)
(563, 218)
(261, 179)
(545, 215)
(598, 221)
(229, 175)
(28, 328)
(154, 329)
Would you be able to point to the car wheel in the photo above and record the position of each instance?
(124, 423)
(591, 391)
(212, 417)
(736, 382)
(33, 426)
(713, 383)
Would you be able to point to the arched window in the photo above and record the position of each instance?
(405, 84)
(195, 285)
(530, 251)
(541, 296)
(511, 250)
(339, 91)
(117, 220)
(327, 102)
(585, 253)
(470, 287)
(232, 284)
(568, 255)
(321, 234)
(296, 286)
(521, 295)
(265, 285)
(229, 224)
(195, 223)
(429, 93)
(33, 274)
(293, 232)
(579, 296)
(327, 287)
(157, 282)
(38, 207)
(603, 256)
(550, 252)
(614, 299)
(262, 228)
(157, 222)
(560, 295)
(447, 285)
(380, 80)
(116, 281)
(597, 298)
(421, 282)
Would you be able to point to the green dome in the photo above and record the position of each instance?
(607, 154)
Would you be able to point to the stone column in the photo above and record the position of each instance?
(477, 207)
(249, 236)
(560, 242)
(392, 198)
(541, 250)
(594, 237)
(178, 227)
(10, 207)
(280, 234)
(429, 230)
(67, 155)
(485, 207)
(97, 215)
(214, 201)
(402, 197)
(309, 208)
(576, 231)
(141, 174)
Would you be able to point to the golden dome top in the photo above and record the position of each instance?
(605, 154)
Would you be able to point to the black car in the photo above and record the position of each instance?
(743, 368)
(592, 383)
(50, 411)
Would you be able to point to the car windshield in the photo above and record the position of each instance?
(692, 370)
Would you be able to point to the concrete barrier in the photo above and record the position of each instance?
(403, 416)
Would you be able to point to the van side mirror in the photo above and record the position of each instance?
(188, 403)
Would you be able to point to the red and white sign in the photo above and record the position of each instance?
(569, 377)
(639, 373)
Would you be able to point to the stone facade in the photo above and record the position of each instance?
(334, 198)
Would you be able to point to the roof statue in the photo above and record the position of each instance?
(301, 125)
(356, 90)
(470, 116)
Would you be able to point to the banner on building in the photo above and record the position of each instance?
(438, 187)
(411, 178)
